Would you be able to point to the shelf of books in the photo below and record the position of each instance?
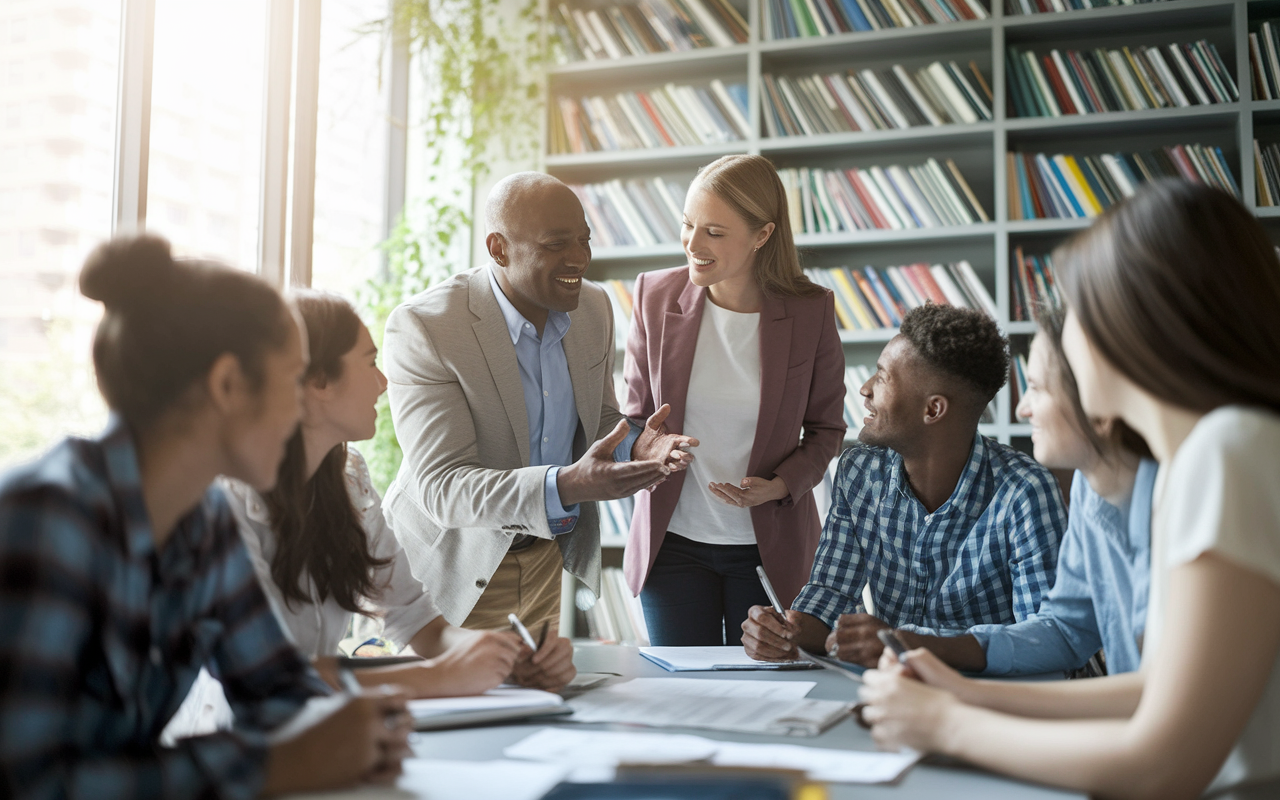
(933, 150)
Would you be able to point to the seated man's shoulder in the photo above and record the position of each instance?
(862, 461)
(1018, 471)
(440, 299)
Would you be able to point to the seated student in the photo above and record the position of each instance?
(948, 528)
(121, 572)
(1173, 328)
(1099, 599)
(324, 552)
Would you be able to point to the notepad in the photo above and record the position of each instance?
(496, 705)
(707, 659)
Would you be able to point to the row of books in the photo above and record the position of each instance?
(1064, 186)
(1264, 61)
(665, 116)
(874, 299)
(886, 198)
(615, 517)
(1017, 383)
(1017, 7)
(620, 292)
(633, 212)
(854, 412)
(787, 19)
(1127, 79)
(1266, 170)
(867, 100)
(646, 26)
(1034, 286)
(615, 616)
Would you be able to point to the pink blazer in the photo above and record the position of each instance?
(801, 392)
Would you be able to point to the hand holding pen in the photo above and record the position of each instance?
(544, 663)
(769, 633)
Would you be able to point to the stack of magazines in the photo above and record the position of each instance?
(1127, 79)
(666, 116)
(867, 100)
(634, 212)
(1016, 7)
(1063, 186)
(647, 26)
(870, 298)
(786, 19)
(887, 198)
(1033, 286)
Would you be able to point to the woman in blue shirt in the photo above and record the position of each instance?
(122, 573)
(1099, 595)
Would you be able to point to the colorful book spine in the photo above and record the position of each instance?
(877, 298)
(644, 27)
(633, 212)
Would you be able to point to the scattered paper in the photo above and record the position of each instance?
(831, 766)
(703, 659)
(492, 700)
(428, 779)
(734, 714)
(657, 687)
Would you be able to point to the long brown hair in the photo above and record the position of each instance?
(318, 531)
(751, 187)
(1179, 288)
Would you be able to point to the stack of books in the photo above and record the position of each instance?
(873, 299)
(616, 616)
(647, 26)
(615, 518)
(1127, 79)
(1017, 7)
(854, 377)
(1034, 286)
(787, 19)
(1063, 186)
(619, 292)
(886, 198)
(633, 212)
(1266, 172)
(869, 100)
(666, 116)
(1264, 61)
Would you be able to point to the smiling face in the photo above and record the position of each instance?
(346, 407)
(894, 397)
(1059, 443)
(542, 251)
(717, 241)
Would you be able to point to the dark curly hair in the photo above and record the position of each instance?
(962, 343)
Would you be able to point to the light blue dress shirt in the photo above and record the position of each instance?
(1099, 599)
(548, 401)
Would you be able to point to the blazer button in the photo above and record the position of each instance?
(481, 583)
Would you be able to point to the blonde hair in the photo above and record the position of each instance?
(751, 187)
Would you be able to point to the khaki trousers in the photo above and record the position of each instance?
(526, 583)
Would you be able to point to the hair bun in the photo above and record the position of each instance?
(127, 271)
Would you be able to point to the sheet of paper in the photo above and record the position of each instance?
(698, 659)
(610, 748)
(655, 687)
(428, 779)
(491, 700)
(735, 714)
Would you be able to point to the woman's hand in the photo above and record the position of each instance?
(474, 665)
(901, 709)
(750, 492)
(550, 668)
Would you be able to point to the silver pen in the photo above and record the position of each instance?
(768, 589)
(519, 628)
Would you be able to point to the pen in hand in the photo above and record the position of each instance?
(520, 629)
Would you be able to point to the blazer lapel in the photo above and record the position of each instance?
(495, 340)
(775, 351)
(675, 361)
(577, 346)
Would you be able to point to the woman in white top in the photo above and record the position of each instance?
(323, 550)
(1175, 328)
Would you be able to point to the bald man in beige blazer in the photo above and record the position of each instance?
(486, 524)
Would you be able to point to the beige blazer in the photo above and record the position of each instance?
(465, 487)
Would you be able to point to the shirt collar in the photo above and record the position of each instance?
(967, 497)
(125, 481)
(557, 321)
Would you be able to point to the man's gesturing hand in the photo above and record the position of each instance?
(655, 444)
(596, 476)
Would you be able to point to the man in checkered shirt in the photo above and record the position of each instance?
(948, 528)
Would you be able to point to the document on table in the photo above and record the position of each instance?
(432, 779)
(494, 705)
(706, 659)
(563, 746)
(774, 709)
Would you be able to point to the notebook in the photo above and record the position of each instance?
(496, 705)
(705, 659)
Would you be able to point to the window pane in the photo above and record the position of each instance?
(350, 148)
(58, 72)
(206, 127)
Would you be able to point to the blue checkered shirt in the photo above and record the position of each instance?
(101, 636)
(987, 555)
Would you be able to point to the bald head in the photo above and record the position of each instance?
(513, 198)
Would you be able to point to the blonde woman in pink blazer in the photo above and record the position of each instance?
(744, 349)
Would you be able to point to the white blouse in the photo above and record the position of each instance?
(1221, 494)
(405, 604)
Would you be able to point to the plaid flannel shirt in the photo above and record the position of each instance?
(101, 636)
(987, 555)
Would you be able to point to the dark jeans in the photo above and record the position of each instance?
(699, 594)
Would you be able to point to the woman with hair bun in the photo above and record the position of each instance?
(745, 350)
(122, 573)
(1175, 329)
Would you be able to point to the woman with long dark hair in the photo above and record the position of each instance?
(325, 553)
(122, 574)
(1174, 328)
